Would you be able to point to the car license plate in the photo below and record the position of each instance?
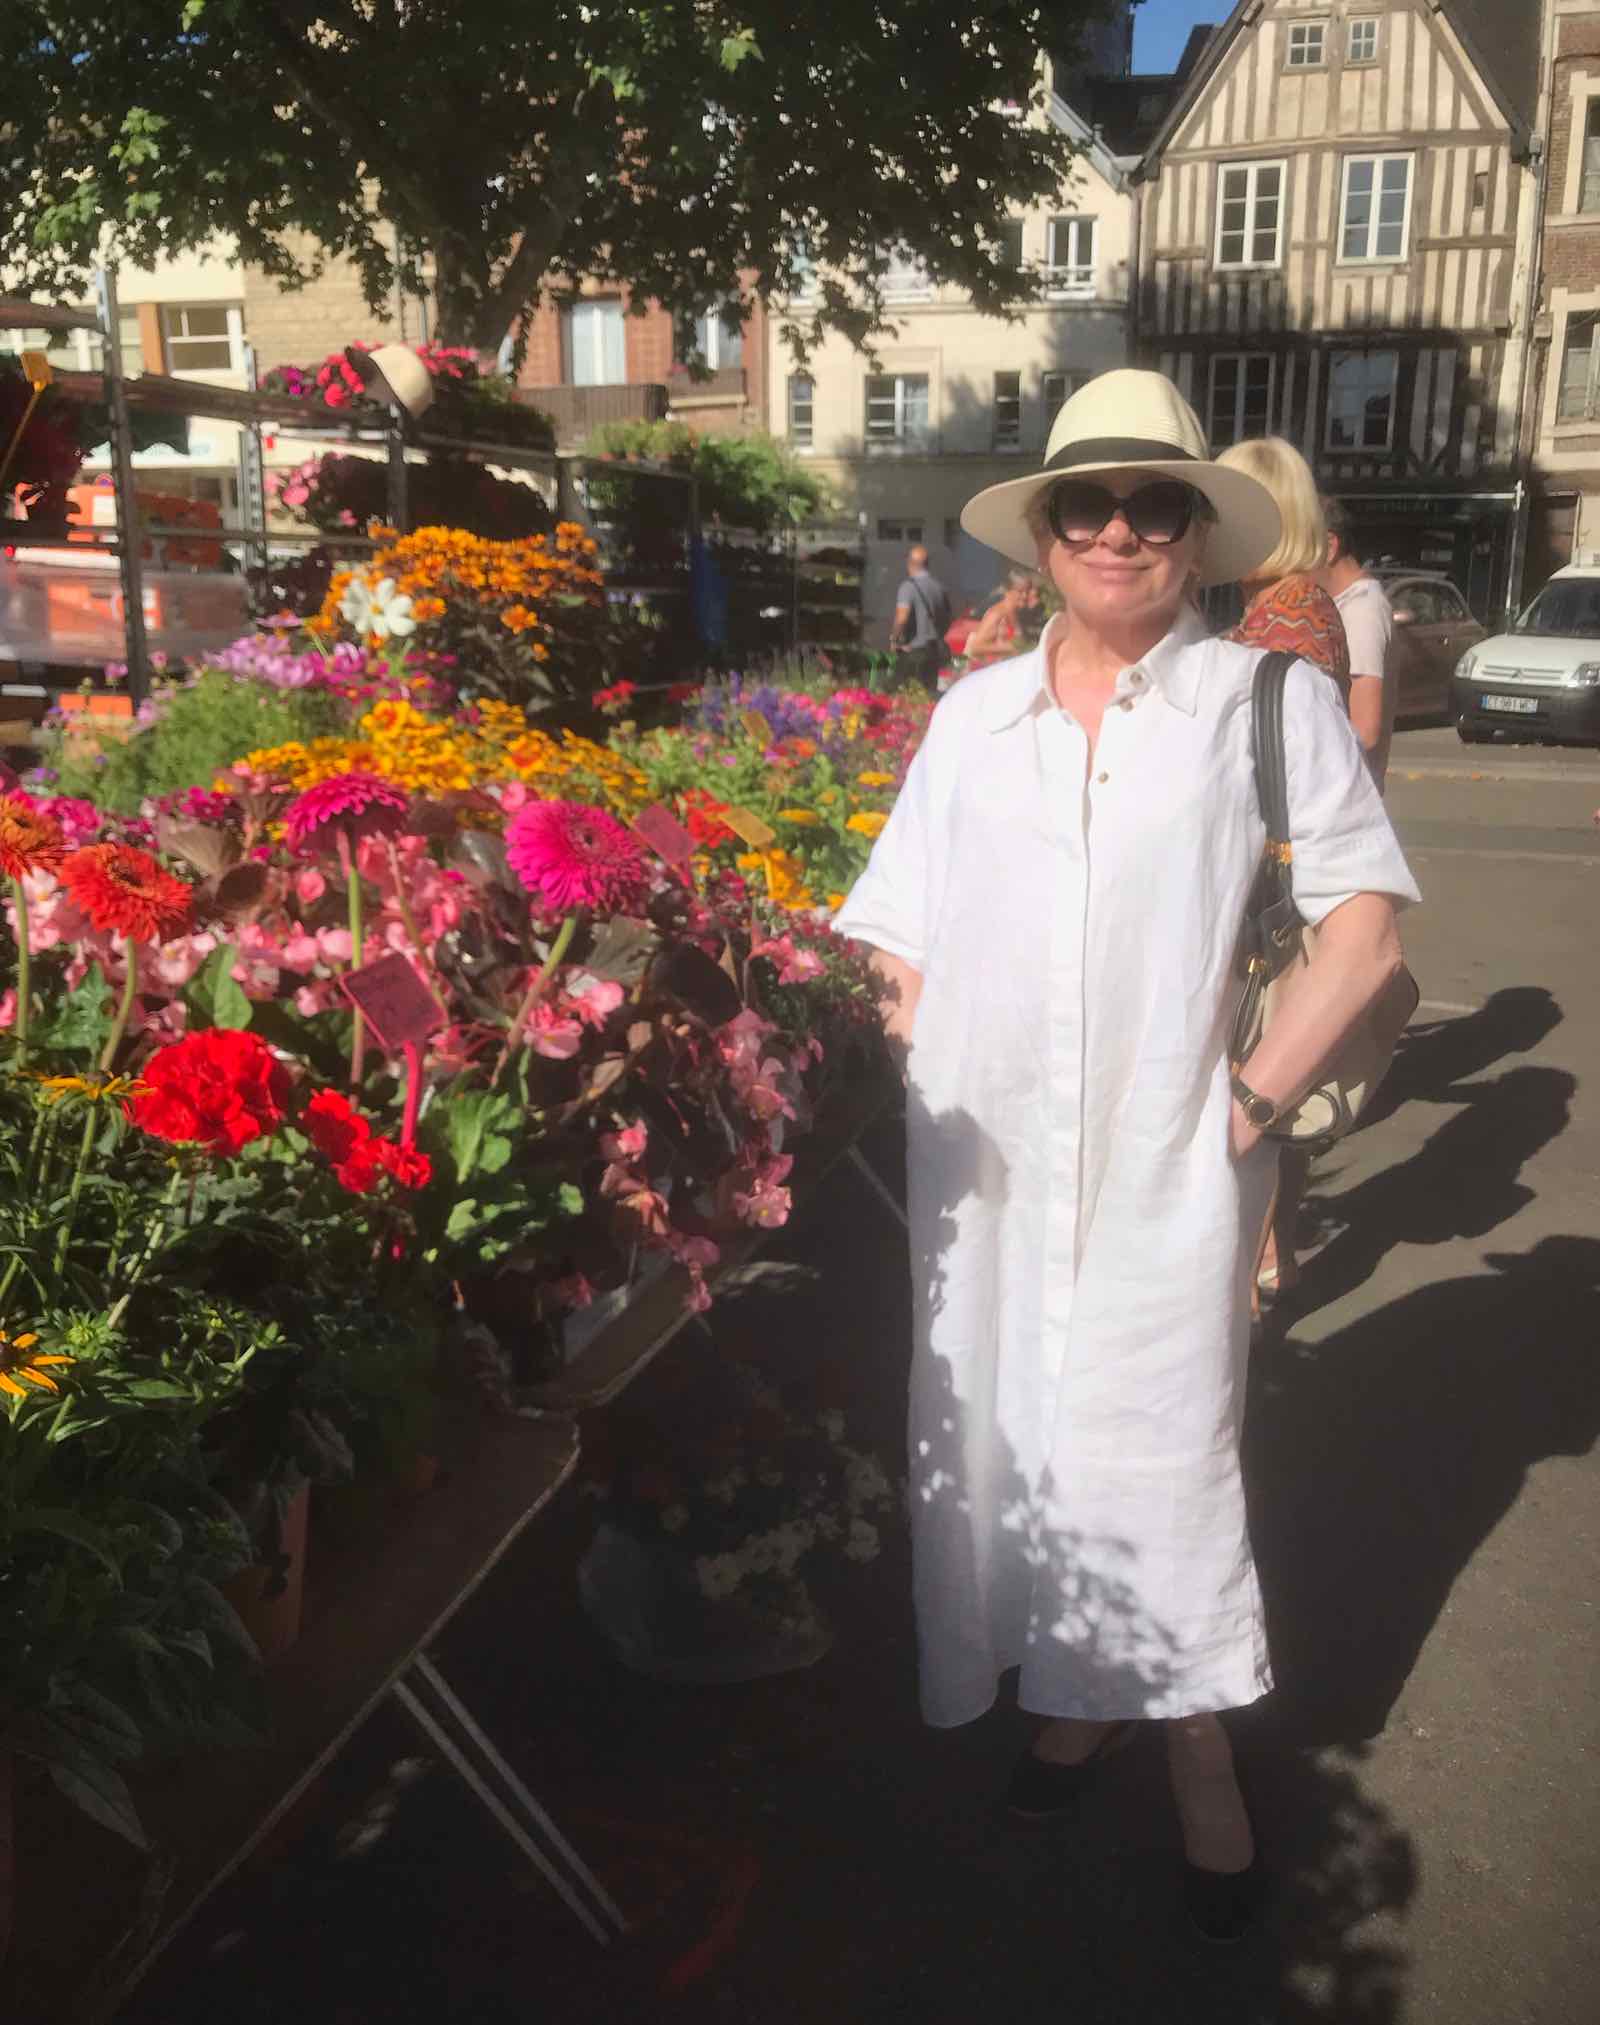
(1520, 706)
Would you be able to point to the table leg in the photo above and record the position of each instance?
(451, 1729)
(869, 1174)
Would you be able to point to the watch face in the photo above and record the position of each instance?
(1260, 1111)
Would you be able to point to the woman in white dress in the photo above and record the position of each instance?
(1056, 904)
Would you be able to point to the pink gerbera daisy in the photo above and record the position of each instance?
(575, 856)
(360, 804)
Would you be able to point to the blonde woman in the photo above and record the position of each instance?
(1288, 607)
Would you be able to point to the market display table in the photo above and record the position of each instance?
(375, 1605)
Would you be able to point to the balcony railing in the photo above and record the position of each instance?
(1068, 284)
(578, 411)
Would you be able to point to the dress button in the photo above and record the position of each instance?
(1127, 703)
(1102, 778)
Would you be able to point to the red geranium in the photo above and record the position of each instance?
(406, 1164)
(218, 1089)
(125, 892)
(357, 1155)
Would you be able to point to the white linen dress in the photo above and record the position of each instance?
(1081, 1236)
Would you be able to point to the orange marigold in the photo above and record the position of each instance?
(30, 841)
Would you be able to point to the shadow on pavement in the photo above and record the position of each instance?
(1382, 1457)
(1435, 1055)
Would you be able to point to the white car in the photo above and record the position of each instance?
(1542, 678)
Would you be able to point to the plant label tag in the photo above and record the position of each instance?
(756, 727)
(665, 835)
(746, 824)
(394, 1001)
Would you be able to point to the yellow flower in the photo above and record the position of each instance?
(95, 1088)
(867, 822)
(875, 779)
(827, 796)
(20, 1367)
(836, 901)
(786, 880)
(806, 818)
(750, 861)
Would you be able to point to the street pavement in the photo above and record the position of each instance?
(1426, 1503)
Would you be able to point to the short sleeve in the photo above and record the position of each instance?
(888, 905)
(1367, 626)
(1343, 841)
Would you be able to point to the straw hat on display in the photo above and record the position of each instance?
(394, 373)
(1131, 420)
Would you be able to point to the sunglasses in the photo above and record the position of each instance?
(1159, 513)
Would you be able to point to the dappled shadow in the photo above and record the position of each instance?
(1463, 1183)
(1435, 1055)
(1381, 1458)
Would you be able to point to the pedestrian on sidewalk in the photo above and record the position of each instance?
(999, 633)
(1054, 907)
(1291, 612)
(921, 616)
(1368, 628)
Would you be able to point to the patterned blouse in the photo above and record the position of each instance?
(1299, 617)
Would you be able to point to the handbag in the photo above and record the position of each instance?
(1277, 945)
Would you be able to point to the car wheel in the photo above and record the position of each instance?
(1472, 734)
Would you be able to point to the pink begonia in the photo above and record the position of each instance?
(309, 885)
(170, 965)
(515, 795)
(574, 1291)
(551, 1034)
(794, 966)
(312, 999)
(628, 1144)
(765, 1202)
(592, 999)
(335, 945)
(169, 1022)
(8, 1009)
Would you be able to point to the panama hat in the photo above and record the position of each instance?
(394, 373)
(1126, 420)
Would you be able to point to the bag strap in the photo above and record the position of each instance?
(1272, 920)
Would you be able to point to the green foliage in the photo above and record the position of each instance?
(196, 731)
(687, 151)
(750, 480)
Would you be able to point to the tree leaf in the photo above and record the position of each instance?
(101, 1792)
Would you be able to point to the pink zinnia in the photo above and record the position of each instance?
(360, 804)
(575, 856)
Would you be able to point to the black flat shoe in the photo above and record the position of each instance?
(1223, 1905)
(1041, 1791)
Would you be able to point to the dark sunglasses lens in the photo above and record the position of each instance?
(1077, 511)
(1160, 513)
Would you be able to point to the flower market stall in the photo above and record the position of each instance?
(380, 1068)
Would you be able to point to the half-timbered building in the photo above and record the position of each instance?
(1335, 229)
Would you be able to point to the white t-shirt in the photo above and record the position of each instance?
(1368, 623)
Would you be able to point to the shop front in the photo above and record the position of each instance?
(1467, 535)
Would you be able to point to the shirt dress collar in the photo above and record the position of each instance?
(1023, 686)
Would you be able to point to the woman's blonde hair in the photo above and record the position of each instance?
(1278, 465)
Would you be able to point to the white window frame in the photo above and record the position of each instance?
(1251, 171)
(1362, 22)
(1591, 403)
(901, 442)
(906, 279)
(1362, 449)
(172, 337)
(808, 403)
(1293, 49)
(1009, 437)
(1073, 277)
(593, 304)
(1371, 257)
(711, 337)
(1244, 359)
(1072, 378)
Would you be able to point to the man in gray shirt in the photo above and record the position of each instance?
(921, 619)
(1368, 624)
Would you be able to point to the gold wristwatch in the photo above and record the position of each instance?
(1261, 1112)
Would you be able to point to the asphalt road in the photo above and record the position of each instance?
(1426, 1500)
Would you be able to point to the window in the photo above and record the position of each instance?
(593, 346)
(1250, 215)
(1419, 604)
(900, 530)
(1589, 193)
(1240, 402)
(715, 340)
(1376, 207)
(802, 409)
(897, 411)
(906, 279)
(1008, 411)
(1011, 240)
(1055, 390)
(1306, 40)
(1069, 247)
(952, 531)
(1577, 400)
(1361, 41)
(1361, 400)
(201, 337)
(78, 351)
